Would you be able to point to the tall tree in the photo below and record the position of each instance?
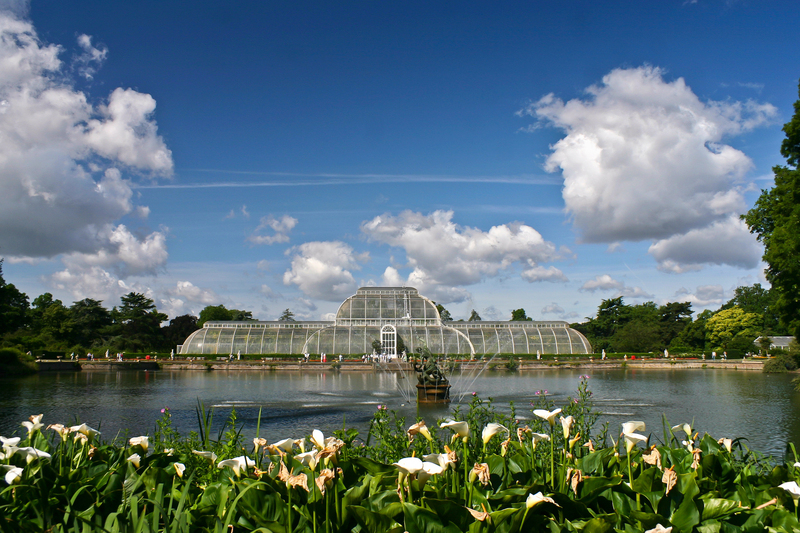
(13, 306)
(444, 314)
(213, 313)
(474, 316)
(775, 219)
(757, 299)
(89, 321)
(673, 317)
(179, 329)
(286, 316)
(138, 323)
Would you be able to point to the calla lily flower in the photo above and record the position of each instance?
(480, 472)
(9, 443)
(491, 430)
(31, 454)
(631, 439)
(460, 428)
(632, 427)
(237, 464)
(442, 459)
(259, 443)
(135, 459)
(550, 416)
(574, 440)
(728, 443)
(409, 465)
(792, 488)
(286, 445)
(318, 439)
(140, 441)
(13, 474)
(428, 469)
(180, 468)
(566, 424)
(308, 459)
(211, 457)
(33, 423)
(660, 529)
(62, 430)
(535, 499)
(686, 428)
(84, 430)
(536, 437)
(421, 429)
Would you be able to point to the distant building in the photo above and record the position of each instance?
(781, 342)
(386, 313)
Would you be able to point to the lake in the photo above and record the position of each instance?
(764, 408)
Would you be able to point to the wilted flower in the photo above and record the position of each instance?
(589, 444)
(13, 474)
(421, 429)
(135, 459)
(481, 472)
(140, 441)
(291, 480)
(653, 457)
(574, 440)
(259, 443)
(728, 443)
(575, 477)
(535, 499)
(521, 433)
(550, 416)
(33, 423)
(566, 424)
(325, 479)
(237, 464)
(491, 430)
(211, 457)
(669, 479)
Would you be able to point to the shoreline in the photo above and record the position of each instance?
(359, 366)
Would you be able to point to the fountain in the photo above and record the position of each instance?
(432, 386)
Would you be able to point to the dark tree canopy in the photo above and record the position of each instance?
(519, 314)
(775, 219)
(474, 316)
(13, 306)
(444, 314)
(286, 316)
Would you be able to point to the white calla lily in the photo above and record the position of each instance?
(491, 430)
(308, 459)
(287, 445)
(535, 499)
(84, 430)
(180, 468)
(143, 441)
(428, 469)
(211, 457)
(409, 465)
(792, 488)
(550, 416)
(632, 427)
(33, 423)
(632, 439)
(536, 437)
(238, 464)
(686, 428)
(318, 439)
(460, 428)
(566, 424)
(442, 459)
(135, 459)
(13, 474)
(31, 454)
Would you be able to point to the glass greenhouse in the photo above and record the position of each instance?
(393, 315)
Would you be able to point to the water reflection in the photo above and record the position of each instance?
(761, 407)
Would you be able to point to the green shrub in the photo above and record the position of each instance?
(779, 364)
(15, 363)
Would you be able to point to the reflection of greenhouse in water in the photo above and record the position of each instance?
(386, 313)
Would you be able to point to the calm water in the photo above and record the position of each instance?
(761, 407)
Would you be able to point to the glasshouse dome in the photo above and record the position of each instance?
(400, 318)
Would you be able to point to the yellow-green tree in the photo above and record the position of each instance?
(731, 325)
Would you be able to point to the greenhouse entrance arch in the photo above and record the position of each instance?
(389, 340)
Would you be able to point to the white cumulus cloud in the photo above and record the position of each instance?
(646, 159)
(62, 160)
(322, 269)
(444, 256)
(279, 226)
(604, 282)
(704, 296)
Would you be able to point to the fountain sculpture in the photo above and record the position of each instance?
(432, 386)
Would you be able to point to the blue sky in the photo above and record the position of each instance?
(267, 155)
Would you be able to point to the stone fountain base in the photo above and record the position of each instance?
(427, 393)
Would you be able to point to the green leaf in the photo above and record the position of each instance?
(372, 522)
(421, 520)
(686, 517)
(374, 467)
(717, 507)
(450, 512)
